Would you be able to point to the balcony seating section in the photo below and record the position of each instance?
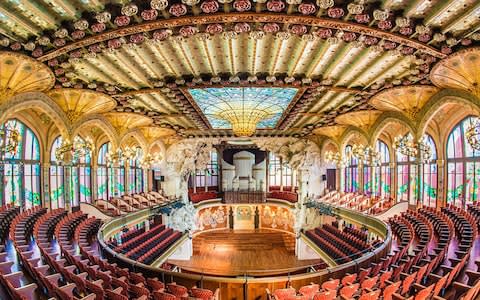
(155, 251)
(364, 203)
(146, 246)
(129, 203)
(474, 210)
(131, 244)
(362, 235)
(132, 233)
(358, 244)
(7, 214)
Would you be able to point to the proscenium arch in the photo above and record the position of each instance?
(100, 122)
(446, 96)
(386, 118)
(40, 101)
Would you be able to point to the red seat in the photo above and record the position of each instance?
(328, 295)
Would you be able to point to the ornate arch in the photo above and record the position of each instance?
(161, 144)
(384, 120)
(102, 123)
(446, 96)
(328, 141)
(348, 134)
(138, 136)
(40, 101)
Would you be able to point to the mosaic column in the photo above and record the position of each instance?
(360, 177)
(93, 178)
(393, 181)
(441, 188)
(44, 178)
(2, 186)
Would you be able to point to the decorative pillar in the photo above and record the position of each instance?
(44, 179)
(360, 177)
(126, 178)
(441, 188)
(267, 171)
(93, 178)
(2, 186)
(419, 180)
(206, 180)
(393, 181)
(147, 180)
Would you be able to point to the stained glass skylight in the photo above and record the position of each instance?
(226, 107)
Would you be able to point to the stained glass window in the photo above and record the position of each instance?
(57, 178)
(367, 180)
(407, 181)
(20, 171)
(430, 176)
(382, 172)
(214, 101)
(463, 167)
(351, 171)
(135, 173)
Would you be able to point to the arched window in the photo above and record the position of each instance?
(20, 172)
(430, 176)
(406, 178)
(351, 171)
(57, 178)
(135, 175)
(382, 172)
(463, 167)
(104, 176)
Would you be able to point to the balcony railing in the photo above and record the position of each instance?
(244, 197)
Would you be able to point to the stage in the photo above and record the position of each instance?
(258, 252)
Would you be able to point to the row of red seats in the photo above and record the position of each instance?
(149, 244)
(328, 247)
(131, 244)
(349, 238)
(362, 235)
(341, 245)
(285, 188)
(130, 234)
(153, 253)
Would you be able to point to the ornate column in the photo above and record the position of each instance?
(441, 188)
(44, 179)
(93, 178)
(2, 186)
(126, 177)
(419, 180)
(393, 181)
(360, 176)
(147, 180)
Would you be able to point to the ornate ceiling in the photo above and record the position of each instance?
(149, 55)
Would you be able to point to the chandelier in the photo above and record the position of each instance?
(78, 149)
(473, 133)
(114, 157)
(407, 146)
(150, 160)
(371, 157)
(333, 157)
(129, 153)
(9, 141)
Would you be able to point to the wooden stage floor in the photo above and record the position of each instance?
(236, 252)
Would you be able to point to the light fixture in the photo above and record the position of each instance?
(151, 159)
(244, 121)
(333, 157)
(113, 157)
(129, 153)
(9, 141)
(407, 146)
(371, 157)
(78, 149)
(473, 133)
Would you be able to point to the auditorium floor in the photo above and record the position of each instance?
(233, 253)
